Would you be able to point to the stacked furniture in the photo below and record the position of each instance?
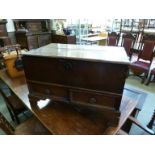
(141, 66)
(63, 39)
(32, 33)
(4, 39)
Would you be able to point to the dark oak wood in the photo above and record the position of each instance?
(75, 78)
(31, 40)
(30, 127)
(32, 33)
(63, 39)
(32, 25)
(63, 119)
(4, 39)
(3, 31)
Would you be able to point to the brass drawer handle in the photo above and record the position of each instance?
(92, 100)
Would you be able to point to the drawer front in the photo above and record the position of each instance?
(44, 39)
(32, 42)
(91, 98)
(56, 92)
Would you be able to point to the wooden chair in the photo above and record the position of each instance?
(143, 63)
(144, 37)
(14, 105)
(128, 42)
(113, 39)
(151, 77)
(151, 122)
(30, 127)
(137, 123)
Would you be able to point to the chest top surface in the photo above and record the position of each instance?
(82, 52)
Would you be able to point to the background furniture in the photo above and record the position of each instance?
(113, 39)
(63, 39)
(95, 40)
(104, 41)
(137, 123)
(32, 33)
(143, 63)
(151, 76)
(128, 42)
(152, 120)
(3, 31)
(4, 39)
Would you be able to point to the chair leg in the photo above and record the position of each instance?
(14, 117)
(143, 79)
(17, 119)
(149, 79)
(11, 114)
(150, 124)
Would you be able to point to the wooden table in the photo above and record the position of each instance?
(93, 39)
(60, 118)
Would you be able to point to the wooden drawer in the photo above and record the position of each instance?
(44, 39)
(57, 93)
(32, 42)
(93, 98)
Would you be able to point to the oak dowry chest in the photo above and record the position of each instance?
(87, 77)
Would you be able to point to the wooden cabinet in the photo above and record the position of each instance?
(4, 39)
(44, 39)
(33, 41)
(32, 33)
(82, 76)
(64, 39)
(3, 31)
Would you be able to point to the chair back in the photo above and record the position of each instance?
(5, 125)
(128, 42)
(148, 37)
(147, 52)
(112, 39)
